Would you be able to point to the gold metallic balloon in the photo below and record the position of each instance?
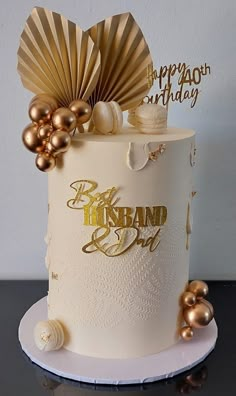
(40, 112)
(45, 131)
(198, 315)
(186, 333)
(64, 119)
(31, 140)
(209, 305)
(199, 288)
(188, 299)
(45, 162)
(82, 110)
(46, 98)
(60, 141)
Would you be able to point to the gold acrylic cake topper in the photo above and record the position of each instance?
(176, 83)
(67, 68)
(118, 228)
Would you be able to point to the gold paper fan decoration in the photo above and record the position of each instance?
(56, 57)
(125, 57)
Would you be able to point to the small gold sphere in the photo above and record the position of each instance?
(60, 141)
(198, 315)
(40, 112)
(31, 140)
(199, 288)
(45, 162)
(82, 110)
(46, 98)
(188, 299)
(186, 333)
(50, 149)
(45, 131)
(209, 305)
(64, 119)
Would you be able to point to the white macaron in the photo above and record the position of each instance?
(107, 117)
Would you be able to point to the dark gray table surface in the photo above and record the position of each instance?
(18, 376)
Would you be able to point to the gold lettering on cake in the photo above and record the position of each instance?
(186, 81)
(124, 216)
(83, 195)
(119, 228)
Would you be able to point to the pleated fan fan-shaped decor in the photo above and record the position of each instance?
(125, 57)
(56, 57)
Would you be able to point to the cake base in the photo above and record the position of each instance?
(172, 361)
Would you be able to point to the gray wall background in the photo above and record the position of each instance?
(176, 30)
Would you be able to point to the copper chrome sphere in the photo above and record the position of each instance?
(198, 315)
(188, 299)
(186, 333)
(64, 119)
(45, 131)
(209, 305)
(40, 112)
(60, 141)
(82, 110)
(50, 149)
(31, 140)
(45, 162)
(199, 288)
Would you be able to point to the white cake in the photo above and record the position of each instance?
(120, 301)
(119, 220)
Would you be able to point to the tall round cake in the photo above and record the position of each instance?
(118, 255)
(119, 209)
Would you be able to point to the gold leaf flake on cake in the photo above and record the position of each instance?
(188, 226)
(55, 276)
(56, 57)
(125, 58)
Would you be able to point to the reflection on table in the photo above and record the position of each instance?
(186, 383)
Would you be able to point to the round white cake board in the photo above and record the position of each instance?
(182, 356)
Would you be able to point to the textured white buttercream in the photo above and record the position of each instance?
(124, 306)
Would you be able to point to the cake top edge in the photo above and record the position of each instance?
(132, 134)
